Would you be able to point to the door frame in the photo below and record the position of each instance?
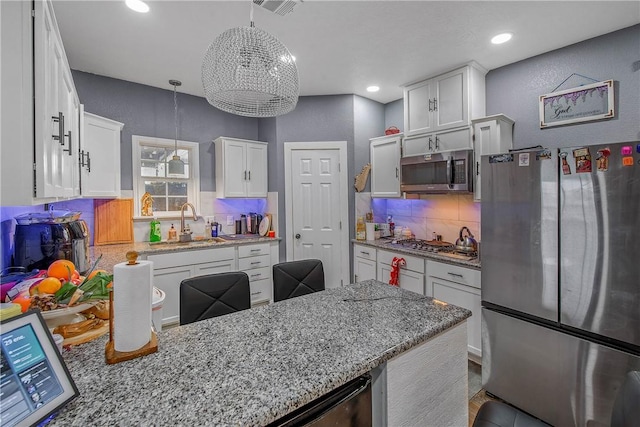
(341, 146)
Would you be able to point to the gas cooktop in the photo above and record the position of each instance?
(439, 247)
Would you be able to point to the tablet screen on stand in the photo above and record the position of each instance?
(34, 380)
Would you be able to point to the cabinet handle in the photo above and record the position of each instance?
(256, 250)
(437, 143)
(60, 120)
(257, 262)
(68, 149)
(455, 275)
(477, 168)
(256, 293)
(256, 275)
(430, 141)
(355, 277)
(245, 175)
(435, 104)
(82, 162)
(430, 101)
(249, 175)
(363, 252)
(397, 173)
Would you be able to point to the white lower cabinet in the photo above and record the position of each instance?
(411, 276)
(364, 263)
(459, 286)
(170, 269)
(255, 260)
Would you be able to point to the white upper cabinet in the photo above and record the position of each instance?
(446, 101)
(491, 135)
(241, 168)
(100, 157)
(385, 166)
(40, 108)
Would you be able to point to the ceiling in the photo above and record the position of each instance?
(340, 46)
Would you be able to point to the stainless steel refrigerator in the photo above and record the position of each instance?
(561, 279)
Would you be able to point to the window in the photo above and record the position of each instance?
(150, 165)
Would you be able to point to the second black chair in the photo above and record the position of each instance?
(296, 278)
(212, 295)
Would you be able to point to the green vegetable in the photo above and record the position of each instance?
(65, 292)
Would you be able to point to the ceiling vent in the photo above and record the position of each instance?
(277, 6)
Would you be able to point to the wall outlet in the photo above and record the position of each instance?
(230, 220)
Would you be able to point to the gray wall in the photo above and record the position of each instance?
(514, 90)
(149, 111)
(368, 122)
(394, 114)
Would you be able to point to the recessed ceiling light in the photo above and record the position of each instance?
(373, 89)
(137, 5)
(501, 38)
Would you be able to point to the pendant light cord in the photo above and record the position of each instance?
(175, 116)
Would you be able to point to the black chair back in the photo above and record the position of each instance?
(296, 278)
(212, 295)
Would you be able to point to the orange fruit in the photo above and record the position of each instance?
(24, 301)
(61, 269)
(50, 285)
(94, 272)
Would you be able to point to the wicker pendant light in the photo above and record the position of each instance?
(176, 165)
(248, 72)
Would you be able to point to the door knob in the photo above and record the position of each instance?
(298, 236)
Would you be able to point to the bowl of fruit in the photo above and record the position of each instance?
(60, 292)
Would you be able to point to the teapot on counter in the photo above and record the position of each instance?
(466, 243)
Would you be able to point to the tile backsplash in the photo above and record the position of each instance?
(443, 214)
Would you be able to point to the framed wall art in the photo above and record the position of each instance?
(582, 104)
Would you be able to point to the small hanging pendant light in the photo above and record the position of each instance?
(176, 165)
(248, 72)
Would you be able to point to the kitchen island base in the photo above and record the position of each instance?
(426, 385)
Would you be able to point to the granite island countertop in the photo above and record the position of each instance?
(114, 254)
(254, 366)
(385, 244)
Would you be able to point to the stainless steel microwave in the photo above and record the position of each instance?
(437, 173)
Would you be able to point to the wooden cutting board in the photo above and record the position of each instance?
(113, 221)
(90, 335)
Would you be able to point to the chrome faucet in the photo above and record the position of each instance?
(185, 236)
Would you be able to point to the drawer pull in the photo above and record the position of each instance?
(256, 275)
(256, 293)
(256, 250)
(365, 253)
(456, 275)
(256, 263)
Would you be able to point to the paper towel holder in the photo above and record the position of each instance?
(111, 354)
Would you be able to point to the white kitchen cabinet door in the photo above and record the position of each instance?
(452, 100)
(256, 170)
(100, 157)
(465, 297)
(459, 139)
(39, 106)
(241, 168)
(385, 166)
(168, 280)
(364, 269)
(407, 279)
(418, 106)
(491, 135)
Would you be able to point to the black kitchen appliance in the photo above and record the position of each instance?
(39, 242)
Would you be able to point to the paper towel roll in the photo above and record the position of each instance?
(370, 228)
(132, 299)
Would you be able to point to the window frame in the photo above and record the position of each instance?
(193, 192)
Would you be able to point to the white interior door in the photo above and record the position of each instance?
(316, 205)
